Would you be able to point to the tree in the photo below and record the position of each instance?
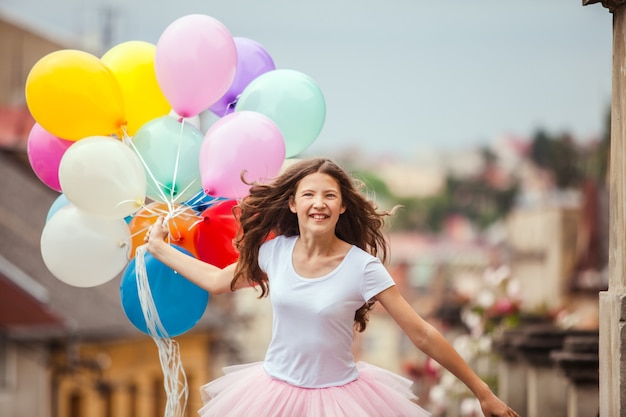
(476, 199)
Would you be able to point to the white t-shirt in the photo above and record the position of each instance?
(313, 318)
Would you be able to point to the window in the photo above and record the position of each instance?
(160, 400)
(132, 400)
(7, 365)
(76, 405)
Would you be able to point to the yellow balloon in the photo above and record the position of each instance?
(72, 95)
(132, 63)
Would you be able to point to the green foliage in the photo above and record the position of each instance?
(374, 184)
(424, 214)
(570, 162)
(560, 156)
(478, 199)
(596, 162)
(472, 198)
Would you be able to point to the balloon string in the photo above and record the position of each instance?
(180, 143)
(184, 189)
(174, 377)
(130, 143)
(196, 200)
(151, 212)
(158, 185)
(124, 132)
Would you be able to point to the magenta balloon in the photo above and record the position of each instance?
(252, 61)
(44, 154)
(195, 63)
(241, 141)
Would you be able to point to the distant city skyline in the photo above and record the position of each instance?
(400, 77)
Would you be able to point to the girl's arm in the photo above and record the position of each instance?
(426, 338)
(213, 279)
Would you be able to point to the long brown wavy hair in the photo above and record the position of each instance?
(265, 213)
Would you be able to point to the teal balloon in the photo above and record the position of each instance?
(169, 149)
(290, 99)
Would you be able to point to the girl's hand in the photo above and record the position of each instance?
(156, 233)
(213, 279)
(495, 407)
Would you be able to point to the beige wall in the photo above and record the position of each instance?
(24, 390)
(543, 242)
(130, 383)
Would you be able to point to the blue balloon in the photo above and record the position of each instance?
(179, 302)
(61, 201)
(202, 201)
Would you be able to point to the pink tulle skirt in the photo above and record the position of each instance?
(248, 391)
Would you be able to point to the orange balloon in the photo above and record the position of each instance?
(182, 227)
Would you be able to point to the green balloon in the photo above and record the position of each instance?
(169, 150)
(290, 99)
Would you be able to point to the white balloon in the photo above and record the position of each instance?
(103, 177)
(207, 119)
(84, 250)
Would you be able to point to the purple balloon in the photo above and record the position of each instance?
(252, 61)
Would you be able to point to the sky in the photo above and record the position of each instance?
(400, 76)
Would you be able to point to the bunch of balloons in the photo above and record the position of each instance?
(160, 130)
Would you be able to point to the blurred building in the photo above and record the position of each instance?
(21, 47)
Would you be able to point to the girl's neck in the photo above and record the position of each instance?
(328, 245)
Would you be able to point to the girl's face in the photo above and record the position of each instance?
(317, 202)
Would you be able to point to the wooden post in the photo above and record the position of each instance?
(612, 347)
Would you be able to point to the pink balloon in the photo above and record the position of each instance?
(241, 141)
(44, 154)
(195, 63)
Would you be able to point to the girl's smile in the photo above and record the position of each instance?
(317, 200)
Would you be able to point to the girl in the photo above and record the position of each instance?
(318, 243)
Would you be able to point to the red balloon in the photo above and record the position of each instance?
(215, 234)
